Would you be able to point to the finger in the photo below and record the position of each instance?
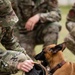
(32, 27)
(26, 68)
(29, 61)
(28, 65)
(28, 23)
(29, 26)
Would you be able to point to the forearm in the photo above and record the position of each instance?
(10, 42)
(10, 59)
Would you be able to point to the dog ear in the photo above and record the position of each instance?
(58, 47)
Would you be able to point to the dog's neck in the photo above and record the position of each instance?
(56, 59)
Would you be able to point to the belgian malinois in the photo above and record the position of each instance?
(53, 56)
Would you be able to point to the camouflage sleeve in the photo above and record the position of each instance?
(14, 5)
(9, 60)
(9, 41)
(53, 13)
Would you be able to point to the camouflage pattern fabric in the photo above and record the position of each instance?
(46, 30)
(9, 60)
(15, 53)
(70, 25)
(7, 16)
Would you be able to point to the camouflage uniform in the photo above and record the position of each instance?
(46, 30)
(70, 25)
(9, 59)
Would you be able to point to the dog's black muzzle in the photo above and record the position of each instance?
(41, 57)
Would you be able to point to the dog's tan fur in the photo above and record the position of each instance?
(55, 58)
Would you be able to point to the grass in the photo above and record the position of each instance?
(67, 54)
(64, 32)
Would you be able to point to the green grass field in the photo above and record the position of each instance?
(67, 54)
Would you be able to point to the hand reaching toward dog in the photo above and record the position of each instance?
(31, 22)
(25, 66)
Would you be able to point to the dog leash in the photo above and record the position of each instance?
(57, 67)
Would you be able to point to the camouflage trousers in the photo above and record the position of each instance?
(45, 34)
(70, 41)
(70, 38)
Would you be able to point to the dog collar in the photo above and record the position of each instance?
(57, 67)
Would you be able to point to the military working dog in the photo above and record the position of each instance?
(53, 56)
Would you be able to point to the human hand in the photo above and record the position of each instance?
(31, 22)
(25, 66)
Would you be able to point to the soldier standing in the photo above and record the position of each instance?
(15, 58)
(38, 23)
(70, 25)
